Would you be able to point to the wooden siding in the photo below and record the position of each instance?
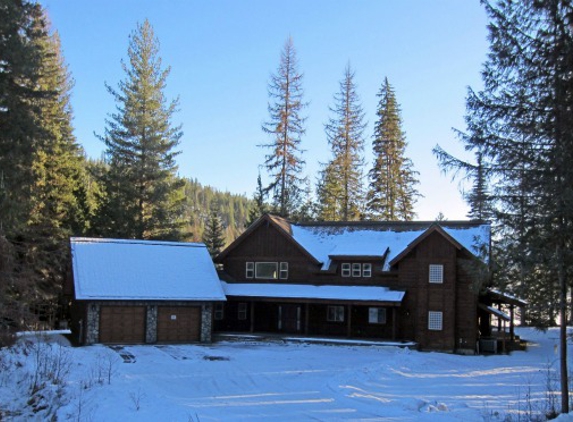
(456, 297)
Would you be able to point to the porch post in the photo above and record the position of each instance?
(511, 326)
(349, 322)
(252, 327)
(306, 318)
(393, 323)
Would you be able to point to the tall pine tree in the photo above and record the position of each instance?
(521, 123)
(144, 196)
(340, 192)
(41, 165)
(392, 180)
(284, 163)
(214, 236)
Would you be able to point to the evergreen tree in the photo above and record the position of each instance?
(478, 198)
(21, 57)
(521, 123)
(213, 237)
(41, 165)
(259, 206)
(340, 193)
(284, 163)
(392, 190)
(144, 196)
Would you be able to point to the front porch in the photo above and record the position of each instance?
(373, 321)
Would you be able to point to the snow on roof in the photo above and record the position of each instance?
(323, 241)
(303, 291)
(113, 269)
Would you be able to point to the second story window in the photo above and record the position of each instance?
(266, 270)
(356, 270)
(250, 270)
(283, 275)
(345, 270)
(436, 274)
(366, 270)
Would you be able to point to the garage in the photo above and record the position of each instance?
(178, 324)
(122, 324)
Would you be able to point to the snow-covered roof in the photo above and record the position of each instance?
(303, 291)
(113, 269)
(373, 240)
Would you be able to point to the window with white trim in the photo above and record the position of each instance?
(335, 313)
(266, 270)
(366, 270)
(345, 270)
(242, 311)
(219, 313)
(356, 269)
(377, 315)
(250, 270)
(283, 270)
(435, 320)
(436, 273)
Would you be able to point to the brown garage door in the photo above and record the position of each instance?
(122, 324)
(178, 324)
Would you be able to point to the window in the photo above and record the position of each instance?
(436, 274)
(250, 270)
(283, 271)
(219, 311)
(242, 312)
(377, 315)
(356, 270)
(266, 270)
(335, 314)
(435, 320)
(366, 270)
(345, 270)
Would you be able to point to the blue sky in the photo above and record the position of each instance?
(222, 54)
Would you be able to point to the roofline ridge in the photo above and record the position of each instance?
(76, 240)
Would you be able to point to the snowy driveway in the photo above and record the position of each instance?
(288, 382)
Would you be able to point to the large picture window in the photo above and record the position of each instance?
(435, 321)
(266, 270)
(335, 313)
(377, 315)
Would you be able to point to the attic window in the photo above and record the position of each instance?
(436, 274)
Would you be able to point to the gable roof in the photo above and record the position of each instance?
(114, 269)
(387, 241)
(283, 226)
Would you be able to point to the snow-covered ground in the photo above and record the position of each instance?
(257, 381)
